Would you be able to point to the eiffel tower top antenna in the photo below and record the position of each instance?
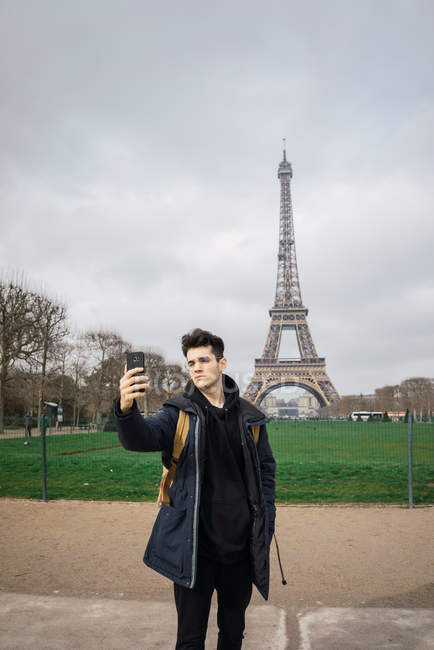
(288, 291)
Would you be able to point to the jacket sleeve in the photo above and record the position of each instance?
(155, 433)
(268, 470)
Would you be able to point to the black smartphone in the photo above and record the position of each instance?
(136, 360)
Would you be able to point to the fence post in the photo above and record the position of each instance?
(44, 456)
(410, 461)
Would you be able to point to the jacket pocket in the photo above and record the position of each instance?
(170, 539)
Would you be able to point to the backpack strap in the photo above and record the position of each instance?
(178, 445)
(255, 431)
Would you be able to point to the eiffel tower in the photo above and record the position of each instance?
(308, 370)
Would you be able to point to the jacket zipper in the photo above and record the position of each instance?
(196, 505)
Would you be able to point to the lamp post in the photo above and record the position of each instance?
(50, 408)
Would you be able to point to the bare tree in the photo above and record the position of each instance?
(19, 338)
(78, 363)
(59, 362)
(386, 398)
(334, 409)
(22, 390)
(174, 379)
(106, 349)
(50, 322)
(346, 405)
(417, 394)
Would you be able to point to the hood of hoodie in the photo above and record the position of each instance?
(230, 389)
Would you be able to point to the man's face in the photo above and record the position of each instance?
(204, 368)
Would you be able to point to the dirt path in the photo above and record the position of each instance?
(332, 555)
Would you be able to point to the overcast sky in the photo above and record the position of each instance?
(139, 150)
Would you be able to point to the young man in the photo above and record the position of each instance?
(216, 532)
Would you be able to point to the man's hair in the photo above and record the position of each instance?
(198, 338)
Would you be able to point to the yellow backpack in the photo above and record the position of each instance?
(178, 445)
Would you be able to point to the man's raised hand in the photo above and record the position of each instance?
(129, 389)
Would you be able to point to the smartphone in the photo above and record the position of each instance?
(136, 360)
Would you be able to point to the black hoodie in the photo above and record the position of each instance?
(224, 518)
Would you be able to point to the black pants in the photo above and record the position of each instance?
(234, 589)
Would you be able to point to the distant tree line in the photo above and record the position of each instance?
(415, 395)
(41, 359)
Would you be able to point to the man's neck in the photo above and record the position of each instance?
(215, 395)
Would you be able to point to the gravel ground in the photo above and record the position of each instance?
(333, 556)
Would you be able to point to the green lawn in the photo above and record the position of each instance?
(316, 462)
(351, 461)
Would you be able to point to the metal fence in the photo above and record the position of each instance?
(318, 461)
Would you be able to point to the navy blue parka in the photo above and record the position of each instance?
(173, 544)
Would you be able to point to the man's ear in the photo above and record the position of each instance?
(223, 363)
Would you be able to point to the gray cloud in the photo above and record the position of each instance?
(140, 145)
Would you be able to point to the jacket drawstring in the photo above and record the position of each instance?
(280, 564)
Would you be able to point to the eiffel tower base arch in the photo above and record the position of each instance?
(308, 374)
